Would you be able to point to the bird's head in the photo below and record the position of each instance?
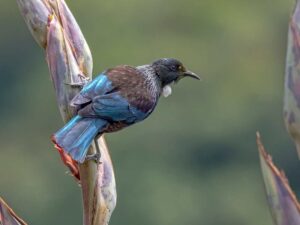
(168, 71)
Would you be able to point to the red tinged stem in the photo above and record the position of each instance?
(67, 160)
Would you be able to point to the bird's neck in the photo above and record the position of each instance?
(154, 82)
(151, 78)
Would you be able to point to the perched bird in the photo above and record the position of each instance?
(117, 98)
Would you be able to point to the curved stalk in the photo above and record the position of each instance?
(70, 63)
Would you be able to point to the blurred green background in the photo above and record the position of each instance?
(194, 161)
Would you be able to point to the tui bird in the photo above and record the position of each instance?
(117, 98)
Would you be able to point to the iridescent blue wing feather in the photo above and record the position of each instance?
(97, 87)
(112, 107)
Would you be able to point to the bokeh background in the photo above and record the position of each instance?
(194, 161)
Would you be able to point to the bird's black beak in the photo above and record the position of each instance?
(191, 74)
(187, 74)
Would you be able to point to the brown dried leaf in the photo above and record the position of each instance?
(8, 216)
(35, 14)
(283, 203)
(292, 79)
(74, 36)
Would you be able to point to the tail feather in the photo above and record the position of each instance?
(76, 136)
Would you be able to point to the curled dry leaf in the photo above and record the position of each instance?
(105, 185)
(284, 206)
(292, 79)
(8, 216)
(63, 68)
(35, 14)
(77, 42)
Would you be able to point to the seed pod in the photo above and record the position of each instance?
(74, 35)
(35, 14)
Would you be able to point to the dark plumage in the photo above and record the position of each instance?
(117, 98)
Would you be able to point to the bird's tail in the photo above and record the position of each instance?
(76, 136)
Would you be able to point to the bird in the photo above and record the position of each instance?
(115, 99)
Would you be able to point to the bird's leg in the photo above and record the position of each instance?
(96, 156)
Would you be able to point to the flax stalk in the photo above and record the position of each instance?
(70, 63)
(292, 79)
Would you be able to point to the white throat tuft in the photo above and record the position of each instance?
(167, 90)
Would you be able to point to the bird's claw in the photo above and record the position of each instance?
(83, 81)
(95, 157)
(84, 78)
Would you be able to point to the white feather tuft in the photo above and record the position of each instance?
(167, 90)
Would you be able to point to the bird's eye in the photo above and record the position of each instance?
(177, 68)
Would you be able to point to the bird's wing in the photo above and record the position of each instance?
(99, 86)
(105, 96)
(112, 107)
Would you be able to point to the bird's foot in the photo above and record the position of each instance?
(95, 157)
(84, 78)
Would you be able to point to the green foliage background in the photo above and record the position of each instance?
(194, 161)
